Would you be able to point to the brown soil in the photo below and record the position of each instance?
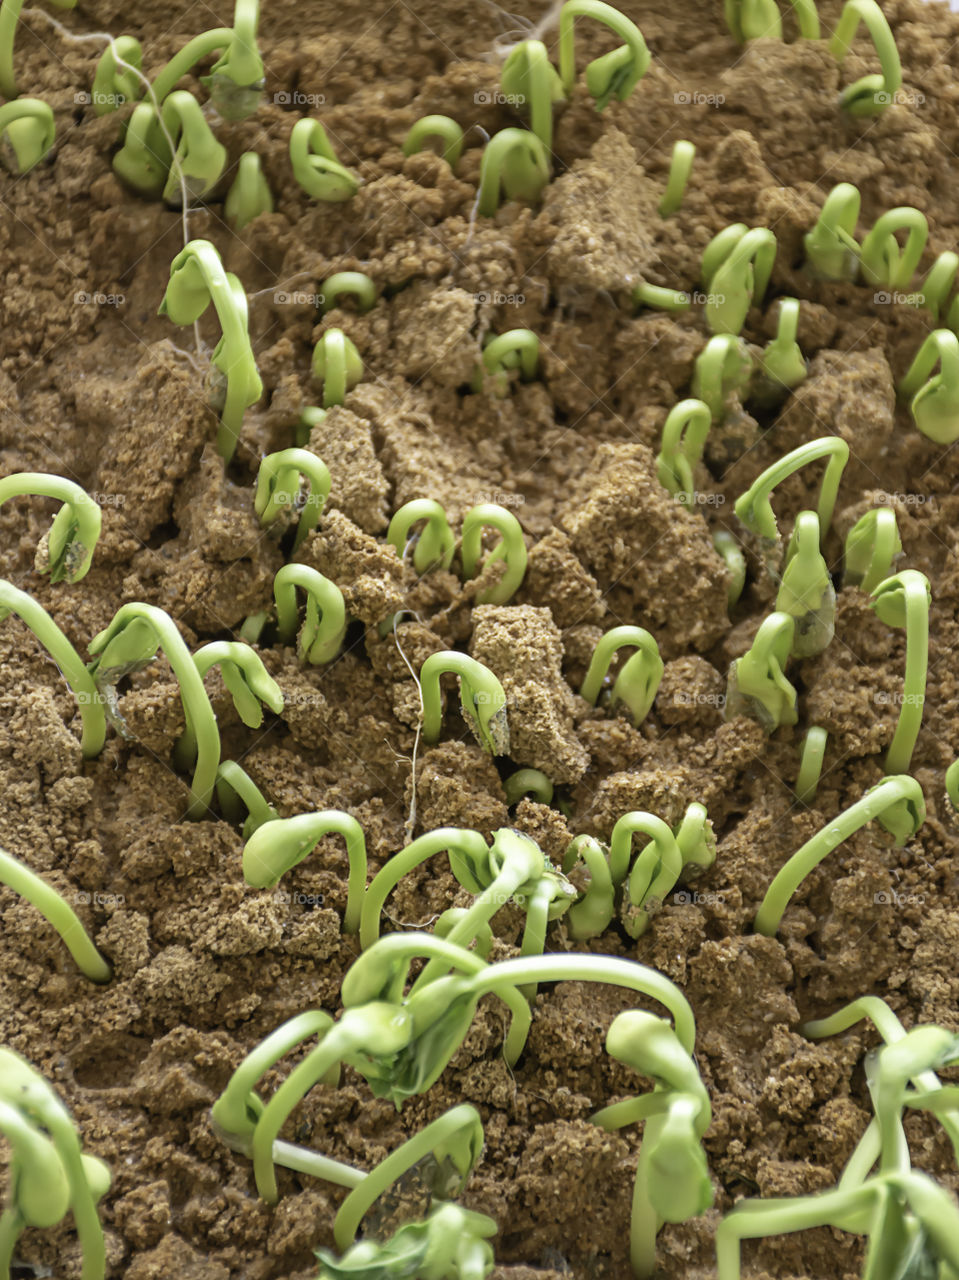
(114, 397)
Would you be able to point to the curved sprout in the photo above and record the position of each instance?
(321, 635)
(832, 251)
(337, 364)
(249, 194)
(935, 400)
(278, 487)
(592, 913)
(66, 552)
(883, 262)
(638, 681)
(352, 284)
(528, 782)
(783, 362)
(246, 678)
(870, 95)
(144, 160)
(315, 165)
(511, 550)
(680, 167)
(736, 270)
(753, 507)
(514, 165)
(481, 695)
(872, 546)
(310, 416)
(684, 439)
(810, 764)
(57, 911)
(615, 74)
(528, 77)
(114, 84)
(757, 685)
(660, 298)
(241, 800)
(759, 19)
(806, 591)
(937, 286)
(515, 349)
(442, 127)
(903, 601)
(435, 544)
(200, 160)
(732, 554)
(27, 124)
(723, 366)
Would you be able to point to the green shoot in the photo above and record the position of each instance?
(759, 19)
(241, 800)
(516, 349)
(782, 361)
(753, 507)
(723, 366)
(66, 552)
(337, 364)
(680, 167)
(49, 1174)
(9, 18)
(832, 251)
(757, 686)
(114, 84)
(129, 644)
(197, 278)
(903, 601)
(514, 165)
(310, 416)
(896, 799)
(810, 764)
(872, 546)
(442, 127)
(732, 554)
(57, 912)
(638, 681)
(200, 159)
(28, 127)
(938, 285)
(348, 284)
(33, 614)
(530, 78)
(736, 267)
(528, 782)
(246, 679)
(277, 846)
(806, 591)
(434, 545)
(449, 1244)
(510, 550)
(481, 696)
(681, 451)
(315, 165)
(870, 95)
(935, 400)
(659, 298)
(144, 161)
(278, 487)
(615, 74)
(324, 627)
(884, 263)
(659, 866)
(591, 914)
(249, 194)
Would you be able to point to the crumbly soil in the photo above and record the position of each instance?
(115, 397)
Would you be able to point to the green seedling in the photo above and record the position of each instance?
(672, 1176)
(9, 18)
(197, 278)
(199, 160)
(277, 846)
(615, 74)
(898, 804)
(736, 267)
(832, 251)
(870, 95)
(27, 128)
(278, 489)
(760, 19)
(806, 592)
(118, 75)
(884, 262)
(529, 78)
(753, 508)
(659, 867)
(810, 764)
(429, 127)
(449, 1244)
(434, 545)
(316, 167)
(324, 627)
(57, 912)
(757, 685)
(515, 165)
(732, 555)
(937, 287)
(935, 400)
(337, 364)
(638, 681)
(528, 782)
(249, 195)
(783, 363)
(348, 284)
(592, 913)
(516, 349)
(129, 644)
(311, 416)
(145, 159)
(241, 800)
(903, 601)
(724, 366)
(33, 615)
(680, 167)
(481, 697)
(247, 681)
(681, 451)
(872, 547)
(510, 550)
(659, 298)
(66, 552)
(49, 1175)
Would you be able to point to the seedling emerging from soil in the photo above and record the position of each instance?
(66, 552)
(278, 489)
(736, 267)
(337, 364)
(515, 349)
(510, 550)
(200, 160)
(903, 601)
(832, 251)
(144, 160)
(757, 685)
(591, 914)
(898, 804)
(449, 1244)
(870, 95)
(514, 165)
(935, 400)
(316, 167)
(872, 547)
(325, 624)
(57, 911)
(806, 591)
(310, 416)
(659, 298)
(276, 847)
(783, 363)
(49, 1175)
(241, 800)
(246, 679)
(810, 764)
(9, 17)
(723, 366)
(615, 74)
(27, 128)
(433, 547)
(680, 167)
(197, 278)
(760, 19)
(638, 681)
(528, 782)
(735, 562)
(754, 508)
(530, 78)
(442, 127)
(249, 195)
(659, 867)
(114, 84)
(349, 284)
(33, 614)
(481, 696)
(884, 263)
(684, 439)
(937, 287)
(672, 1177)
